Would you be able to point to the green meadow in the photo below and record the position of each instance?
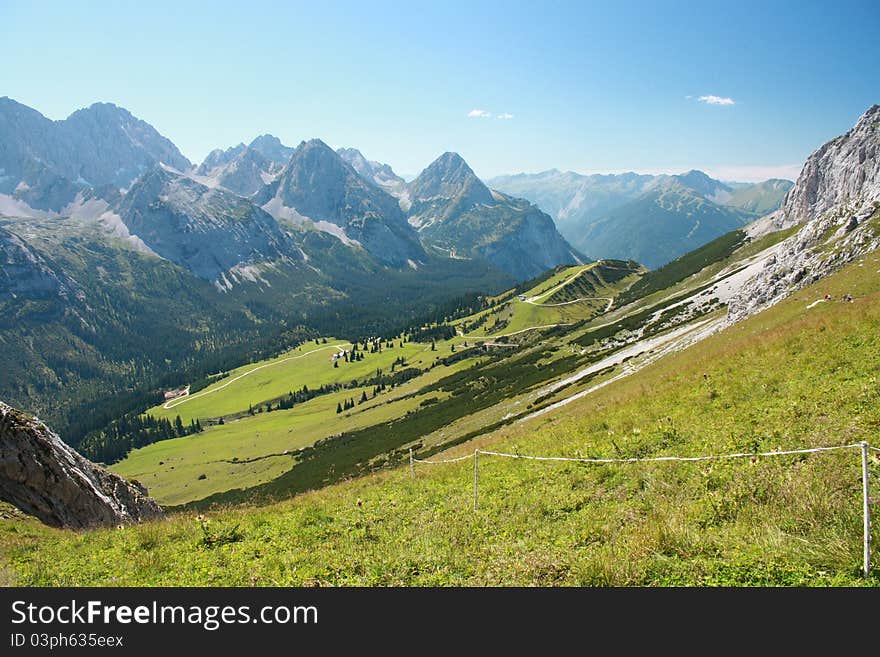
(792, 376)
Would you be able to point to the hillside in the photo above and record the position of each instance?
(797, 375)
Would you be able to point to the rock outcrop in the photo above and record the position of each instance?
(836, 200)
(44, 477)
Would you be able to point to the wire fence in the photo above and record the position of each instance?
(863, 447)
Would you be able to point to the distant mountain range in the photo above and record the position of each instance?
(651, 219)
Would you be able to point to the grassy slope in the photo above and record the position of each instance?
(187, 469)
(254, 450)
(516, 315)
(789, 377)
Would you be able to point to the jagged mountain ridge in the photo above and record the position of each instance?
(211, 232)
(362, 203)
(46, 163)
(317, 185)
(245, 172)
(375, 172)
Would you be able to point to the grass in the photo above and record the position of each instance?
(568, 284)
(254, 450)
(786, 378)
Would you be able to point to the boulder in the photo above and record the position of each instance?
(43, 476)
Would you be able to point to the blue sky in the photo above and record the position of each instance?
(588, 86)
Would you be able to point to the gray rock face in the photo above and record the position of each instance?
(271, 148)
(45, 163)
(377, 173)
(208, 231)
(26, 274)
(844, 171)
(245, 174)
(246, 169)
(44, 477)
(319, 185)
(109, 145)
(531, 247)
(218, 157)
(458, 215)
(837, 201)
(447, 187)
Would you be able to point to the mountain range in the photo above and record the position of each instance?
(648, 218)
(103, 153)
(113, 244)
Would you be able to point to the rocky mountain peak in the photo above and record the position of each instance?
(447, 177)
(210, 231)
(374, 172)
(844, 170)
(116, 145)
(218, 157)
(836, 201)
(320, 186)
(44, 477)
(357, 161)
(270, 147)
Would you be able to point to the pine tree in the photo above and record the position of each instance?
(363, 397)
(338, 408)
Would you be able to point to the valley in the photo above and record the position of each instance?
(760, 385)
(297, 353)
(259, 440)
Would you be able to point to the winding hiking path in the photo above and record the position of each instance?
(610, 301)
(557, 287)
(177, 401)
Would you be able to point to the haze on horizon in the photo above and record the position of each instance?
(741, 92)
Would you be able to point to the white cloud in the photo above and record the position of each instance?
(479, 114)
(505, 115)
(716, 100)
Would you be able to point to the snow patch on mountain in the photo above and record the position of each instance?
(337, 232)
(12, 207)
(113, 223)
(277, 209)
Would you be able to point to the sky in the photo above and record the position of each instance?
(742, 90)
